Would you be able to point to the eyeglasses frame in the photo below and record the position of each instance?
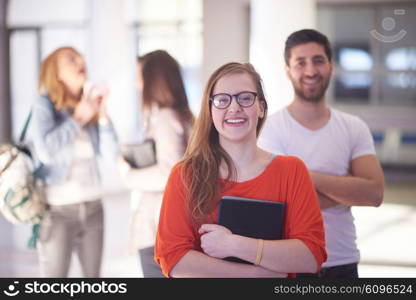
(211, 99)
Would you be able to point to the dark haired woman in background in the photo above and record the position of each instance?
(168, 121)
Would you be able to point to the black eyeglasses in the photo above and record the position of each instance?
(223, 100)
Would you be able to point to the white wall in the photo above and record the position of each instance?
(113, 62)
(4, 80)
(225, 33)
(42, 12)
(23, 78)
(271, 23)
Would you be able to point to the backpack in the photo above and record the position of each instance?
(22, 198)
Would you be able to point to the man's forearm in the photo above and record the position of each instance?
(325, 201)
(349, 190)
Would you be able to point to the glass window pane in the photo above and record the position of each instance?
(179, 32)
(53, 38)
(353, 87)
(401, 59)
(374, 52)
(353, 60)
(353, 78)
(398, 55)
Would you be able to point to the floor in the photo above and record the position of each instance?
(386, 237)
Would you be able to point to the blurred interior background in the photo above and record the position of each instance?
(374, 46)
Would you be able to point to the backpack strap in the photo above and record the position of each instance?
(7, 165)
(35, 235)
(24, 130)
(18, 145)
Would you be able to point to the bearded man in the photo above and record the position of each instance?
(337, 148)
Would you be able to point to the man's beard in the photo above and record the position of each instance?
(316, 95)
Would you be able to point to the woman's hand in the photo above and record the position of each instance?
(86, 109)
(91, 104)
(100, 94)
(216, 240)
(123, 166)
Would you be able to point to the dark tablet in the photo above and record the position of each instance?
(140, 155)
(252, 218)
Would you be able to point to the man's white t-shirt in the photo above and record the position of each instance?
(328, 150)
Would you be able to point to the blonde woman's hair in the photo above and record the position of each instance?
(49, 83)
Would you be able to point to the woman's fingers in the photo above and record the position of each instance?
(209, 227)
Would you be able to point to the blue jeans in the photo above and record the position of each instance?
(343, 271)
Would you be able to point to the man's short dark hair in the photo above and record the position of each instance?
(307, 36)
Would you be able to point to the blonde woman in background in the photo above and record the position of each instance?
(72, 136)
(168, 121)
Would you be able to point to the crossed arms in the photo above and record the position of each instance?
(363, 187)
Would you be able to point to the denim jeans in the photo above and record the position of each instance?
(67, 228)
(343, 271)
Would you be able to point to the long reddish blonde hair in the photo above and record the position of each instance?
(204, 154)
(49, 82)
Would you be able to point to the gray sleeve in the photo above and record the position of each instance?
(51, 135)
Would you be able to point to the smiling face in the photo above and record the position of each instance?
(236, 123)
(309, 70)
(71, 71)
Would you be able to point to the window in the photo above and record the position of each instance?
(34, 32)
(178, 30)
(374, 53)
(353, 78)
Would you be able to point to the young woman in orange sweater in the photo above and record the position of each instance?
(222, 158)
